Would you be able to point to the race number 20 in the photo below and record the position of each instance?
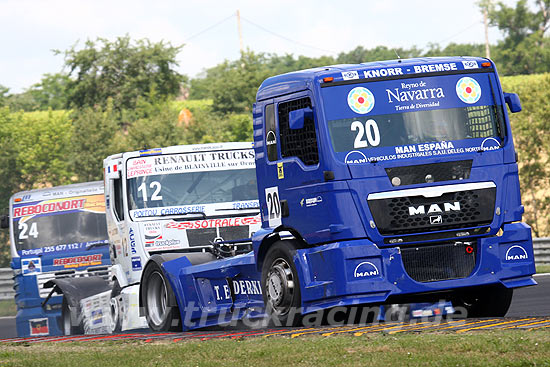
(273, 206)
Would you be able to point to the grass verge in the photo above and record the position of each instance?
(543, 269)
(486, 348)
(7, 308)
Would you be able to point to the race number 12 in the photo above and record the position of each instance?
(273, 206)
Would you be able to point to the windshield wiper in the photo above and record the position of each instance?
(96, 244)
(249, 208)
(202, 214)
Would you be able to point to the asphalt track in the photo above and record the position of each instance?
(530, 310)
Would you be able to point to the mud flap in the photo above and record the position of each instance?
(96, 313)
(77, 289)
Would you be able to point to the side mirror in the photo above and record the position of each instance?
(512, 100)
(296, 118)
(5, 221)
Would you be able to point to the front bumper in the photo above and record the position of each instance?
(359, 272)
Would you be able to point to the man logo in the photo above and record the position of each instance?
(355, 157)
(365, 270)
(516, 252)
(436, 219)
(435, 208)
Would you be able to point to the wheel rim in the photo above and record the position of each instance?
(156, 298)
(114, 313)
(280, 287)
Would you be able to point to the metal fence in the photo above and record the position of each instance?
(6, 284)
(542, 250)
(541, 246)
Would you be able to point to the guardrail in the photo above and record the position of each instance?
(6, 284)
(541, 247)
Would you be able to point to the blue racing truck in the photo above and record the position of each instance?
(60, 256)
(383, 182)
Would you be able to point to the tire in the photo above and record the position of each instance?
(116, 318)
(67, 326)
(281, 286)
(493, 301)
(158, 300)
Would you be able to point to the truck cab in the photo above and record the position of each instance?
(58, 237)
(198, 201)
(398, 180)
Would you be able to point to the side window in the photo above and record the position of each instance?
(301, 143)
(270, 133)
(117, 199)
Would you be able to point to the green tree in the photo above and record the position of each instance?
(95, 135)
(360, 54)
(524, 49)
(121, 70)
(533, 145)
(3, 95)
(51, 92)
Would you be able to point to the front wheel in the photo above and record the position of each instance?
(491, 301)
(281, 286)
(158, 299)
(116, 315)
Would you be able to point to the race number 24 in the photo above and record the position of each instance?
(273, 206)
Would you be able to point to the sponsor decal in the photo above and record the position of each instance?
(280, 171)
(97, 317)
(172, 210)
(132, 236)
(434, 68)
(361, 100)
(350, 75)
(470, 64)
(468, 90)
(516, 252)
(383, 72)
(418, 92)
(190, 162)
(366, 269)
(31, 266)
(213, 223)
(244, 287)
(39, 327)
(48, 207)
(136, 263)
(162, 245)
(434, 208)
(77, 261)
(253, 204)
(311, 201)
(147, 152)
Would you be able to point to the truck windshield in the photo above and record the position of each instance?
(407, 118)
(59, 221)
(190, 180)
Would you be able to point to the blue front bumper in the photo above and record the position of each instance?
(359, 272)
(38, 321)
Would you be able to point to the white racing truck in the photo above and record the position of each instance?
(198, 201)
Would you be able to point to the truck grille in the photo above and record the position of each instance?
(43, 278)
(413, 214)
(439, 262)
(204, 236)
